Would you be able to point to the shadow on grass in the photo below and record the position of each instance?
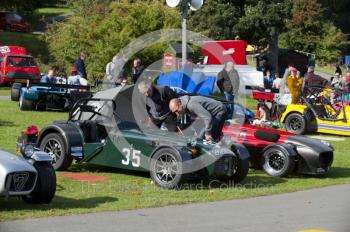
(337, 172)
(7, 123)
(334, 173)
(95, 169)
(59, 202)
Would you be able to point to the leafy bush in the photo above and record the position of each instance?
(310, 31)
(101, 30)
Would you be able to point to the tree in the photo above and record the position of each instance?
(338, 11)
(304, 27)
(20, 5)
(332, 43)
(309, 30)
(262, 23)
(217, 18)
(101, 30)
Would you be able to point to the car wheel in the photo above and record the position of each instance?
(54, 145)
(45, 188)
(166, 169)
(296, 123)
(15, 92)
(241, 168)
(25, 104)
(277, 161)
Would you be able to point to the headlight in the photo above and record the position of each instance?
(28, 150)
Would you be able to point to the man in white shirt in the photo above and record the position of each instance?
(109, 68)
(277, 82)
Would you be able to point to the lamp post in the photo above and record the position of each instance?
(184, 11)
(185, 5)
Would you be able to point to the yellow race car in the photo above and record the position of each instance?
(322, 110)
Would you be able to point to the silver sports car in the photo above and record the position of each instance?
(30, 176)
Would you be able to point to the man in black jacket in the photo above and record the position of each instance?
(80, 65)
(157, 103)
(212, 112)
(228, 83)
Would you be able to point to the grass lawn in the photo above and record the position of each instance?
(44, 15)
(34, 43)
(52, 11)
(4, 91)
(328, 70)
(127, 190)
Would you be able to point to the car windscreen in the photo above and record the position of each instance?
(20, 62)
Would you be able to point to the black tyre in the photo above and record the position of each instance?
(241, 169)
(296, 123)
(54, 145)
(25, 104)
(277, 161)
(45, 188)
(166, 169)
(15, 92)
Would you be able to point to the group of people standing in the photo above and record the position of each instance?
(293, 82)
(78, 75)
(115, 70)
(339, 81)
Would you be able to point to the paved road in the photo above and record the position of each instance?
(327, 209)
(4, 97)
(324, 75)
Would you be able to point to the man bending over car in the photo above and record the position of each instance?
(157, 104)
(211, 111)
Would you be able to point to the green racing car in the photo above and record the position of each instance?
(109, 129)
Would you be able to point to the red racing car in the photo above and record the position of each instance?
(278, 152)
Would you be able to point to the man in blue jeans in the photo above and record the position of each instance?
(228, 83)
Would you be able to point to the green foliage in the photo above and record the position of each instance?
(262, 18)
(216, 19)
(310, 31)
(35, 44)
(89, 7)
(101, 30)
(21, 5)
(333, 41)
(304, 27)
(262, 23)
(338, 12)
